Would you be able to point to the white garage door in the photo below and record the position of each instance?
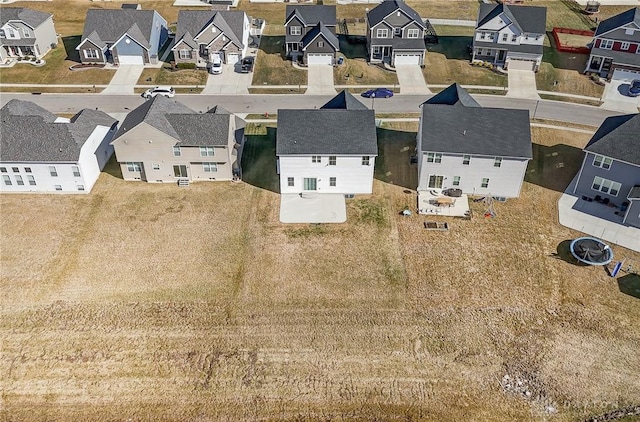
(320, 59)
(233, 58)
(130, 60)
(407, 59)
(625, 75)
(521, 64)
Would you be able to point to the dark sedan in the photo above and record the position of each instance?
(378, 93)
(634, 89)
(247, 65)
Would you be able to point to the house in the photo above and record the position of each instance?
(165, 141)
(327, 150)
(203, 33)
(311, 34)
(126, 36)
(480, 150)
(395, 34)
(40, 152)
(25, 32)
(610, 171)
(510, 36)
(615, 51)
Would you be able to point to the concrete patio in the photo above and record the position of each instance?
(309, 207)
(428, 204)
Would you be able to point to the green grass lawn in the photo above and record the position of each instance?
(259, 157)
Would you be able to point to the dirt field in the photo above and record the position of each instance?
(152, 302)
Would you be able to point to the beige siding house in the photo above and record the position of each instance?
(164, 141)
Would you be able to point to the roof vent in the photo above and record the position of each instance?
(464, 133)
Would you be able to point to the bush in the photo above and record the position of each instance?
(186, 65)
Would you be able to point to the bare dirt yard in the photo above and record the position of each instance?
(153, 302)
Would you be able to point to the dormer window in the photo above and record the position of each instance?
(295, 30)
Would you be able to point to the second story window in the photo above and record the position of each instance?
(177, 152)
(316, 159)
(497, 162)
(53, 172)
(332, 160)
(365, 160)
(295, 30)
(76, 171)
(206, 152)
(413, 33)
(466, 159)
(606, 44)
(514, 38)
(505, 37)
(397, 32)
(602, 162)
(382, 33)
(625, 45)
(433, 157)
(320, 44)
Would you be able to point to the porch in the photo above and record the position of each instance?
(599, 64)
(15, 51)
(381, 53)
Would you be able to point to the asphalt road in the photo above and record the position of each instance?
(259, 104)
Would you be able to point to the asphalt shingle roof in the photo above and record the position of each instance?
(344, 100)
(618, 56)
(188, 127)
(320, 29)
(634, 193)
(313, 14)
(513, 48)
(531, 19)
(108, 25)
(192, 22)
(453, 95)
(326, 132)
(378, 13)
(29, 133)
(619, 138)
(33, 18)
(631, 15)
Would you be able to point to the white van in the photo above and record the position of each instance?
(215, 67)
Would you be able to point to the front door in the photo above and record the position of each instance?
(435, 181)
(310, 183)
(180, 171)
(501, 55)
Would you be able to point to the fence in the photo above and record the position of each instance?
(569, 49)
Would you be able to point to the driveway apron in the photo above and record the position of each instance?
(124, 80)
(616, 97)
(320, 80)
(228, 82)
(522, 84)
(411, 79)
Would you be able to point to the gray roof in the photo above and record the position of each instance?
(326, 132)
(33, 18)
(384, 9)
(620, 57)
(322, 30)
(462, 129)
(192, 22)
(188, 127)
(514, 48)
(313, 14)
(453, 95)
(618, 137)
(344, 100)
(531, 19)
(104, 26)
(29, 133)
(634, 193)
(405, 44)
(631, 15)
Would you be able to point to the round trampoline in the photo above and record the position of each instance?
(591, 251)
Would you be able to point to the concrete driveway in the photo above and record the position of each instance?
(522, 84)
(320, 80)
(411, 79)
(615, 97)
(230, 81)
(124, 80)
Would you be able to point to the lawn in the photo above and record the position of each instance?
(554, 79)
(144, 301)
(356, 71)
(272, 68)
(166, 76)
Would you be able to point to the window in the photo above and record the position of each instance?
(365, 160)
(320, 43)
(206, 152)
(433, 157)
(80, 187)
(58, 187)
(3, 169)
(295, 30)
(332, 181)
(134, 167)
(316, 159)
(290, 181)
(332, 160)
(485, 182)
(602, 162)
(155, 166)
(210, 167)
(293, 46)
(27, 169)
(505, 37)
(184, 54)
(177, 152)
(413, 33)
(466, 159)
(514, 38)
(26, 32)
(483, 35)
(76, 171)
(606, 44)
(497, 162)
(2, 33)
(52, 171)
(606, 186)
(456, 180)
(15, 169)
(91, 54)
(625, 45)
(19, 181)
(397, 32)
(628, 31)
(382, 33)
(7, 180)
(11, 33)
(31, 179)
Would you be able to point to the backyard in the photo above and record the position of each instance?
(204, 291)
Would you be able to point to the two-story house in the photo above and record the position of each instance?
(311, 34)
(610, 171)
(41, 152)
(615, 51)
(25, 32)
(201, 34)
(165, 141)
(395, 34)
(126, 36)
(510, 36)
(480, 150)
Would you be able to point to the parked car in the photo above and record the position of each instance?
(166, 91)
(215, 67)
(378, 93)
(247, 65)
(634, 89)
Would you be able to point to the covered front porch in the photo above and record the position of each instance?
(15, 51)
(491, 55)
(599, 64)
(381, 53)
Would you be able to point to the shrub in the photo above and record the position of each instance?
(186, 65)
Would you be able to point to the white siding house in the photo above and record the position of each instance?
(43, 153)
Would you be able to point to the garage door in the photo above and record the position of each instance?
(407, 59)
(130, 60)
(320, 59)
(625, 75)
(233, 58)
(521, 64)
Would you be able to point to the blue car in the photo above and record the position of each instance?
(378, 93)
(634, 89)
